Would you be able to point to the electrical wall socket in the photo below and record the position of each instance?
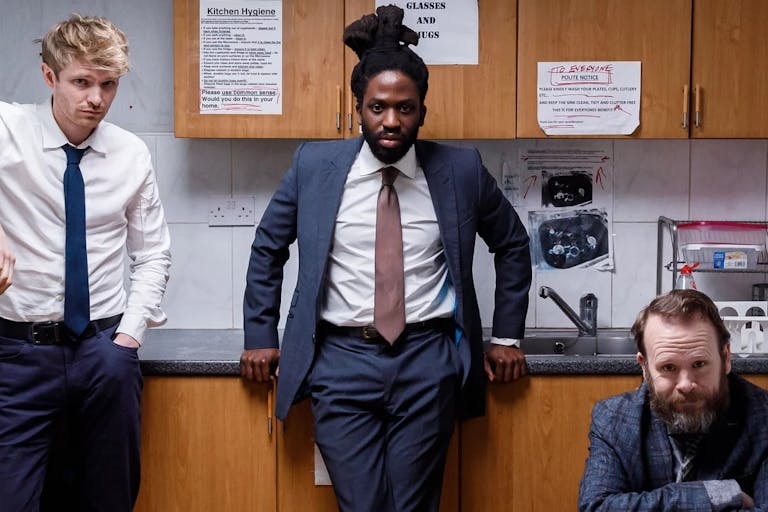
(232, 211)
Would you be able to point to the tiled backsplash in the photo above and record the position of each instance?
(651, 178)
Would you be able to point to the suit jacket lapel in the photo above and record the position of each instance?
(440, 181)
(328, 188)
(660, 459)
(652, 453)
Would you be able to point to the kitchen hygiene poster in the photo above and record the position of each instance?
(241, 57)
(565, 196)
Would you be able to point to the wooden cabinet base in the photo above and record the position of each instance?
(205, 446)
(527, 454)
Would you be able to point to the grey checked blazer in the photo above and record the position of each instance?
(631, 465)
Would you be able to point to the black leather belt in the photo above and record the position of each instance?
(369, 332)
(52, 333)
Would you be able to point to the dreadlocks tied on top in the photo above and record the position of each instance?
(381, 42)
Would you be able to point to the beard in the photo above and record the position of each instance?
(681, 421)
(389, 155)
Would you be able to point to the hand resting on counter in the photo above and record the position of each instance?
(259, 364)
(504, 364)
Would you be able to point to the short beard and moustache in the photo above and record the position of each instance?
(698, 422)
(389, 155)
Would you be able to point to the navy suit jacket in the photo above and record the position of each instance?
(467, 202)
(631, 463)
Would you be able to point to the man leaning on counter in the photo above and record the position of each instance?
(384, 328)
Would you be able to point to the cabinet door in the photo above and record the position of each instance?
(312, 76)
(730, 61)
(296, 468)
(527, 453)
(206, 446)
(464, 102)
(655, 32)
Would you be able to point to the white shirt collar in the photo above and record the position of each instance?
(367, 163)
(54, 138)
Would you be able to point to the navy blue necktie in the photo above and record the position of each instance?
(77, 307)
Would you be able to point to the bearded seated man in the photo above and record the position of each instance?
(693, 436)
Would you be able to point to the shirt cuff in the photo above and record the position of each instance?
(507, 342)
(724, 494)
(134, 326)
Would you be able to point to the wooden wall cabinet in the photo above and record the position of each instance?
(312, 71)
(715, 49)
(466, 102)
(655, 32)
(463, 102)
(730, 63)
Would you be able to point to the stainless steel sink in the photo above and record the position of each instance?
(566, 342)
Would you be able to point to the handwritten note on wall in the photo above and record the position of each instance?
(589, 98)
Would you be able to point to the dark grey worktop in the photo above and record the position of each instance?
(217, 352)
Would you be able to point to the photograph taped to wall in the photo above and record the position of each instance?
(566, 188)
(565, 192)
(577, 238)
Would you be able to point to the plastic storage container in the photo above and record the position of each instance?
(723, 256)
(723, 245)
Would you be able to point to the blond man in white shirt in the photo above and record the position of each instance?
(51, 366)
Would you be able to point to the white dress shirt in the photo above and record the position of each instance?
(350, 276)
(123, 215)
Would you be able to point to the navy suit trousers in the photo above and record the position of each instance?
(384, 415)
(97, 384)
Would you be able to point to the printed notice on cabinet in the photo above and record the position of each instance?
(241, 57)
(589, 98)
(448, 29)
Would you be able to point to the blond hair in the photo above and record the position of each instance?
(95, 39)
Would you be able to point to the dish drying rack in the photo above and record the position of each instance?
(747, 323)
(756, 250)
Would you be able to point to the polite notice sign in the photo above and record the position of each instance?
(589, 98)
(448, 29)
(241, 57)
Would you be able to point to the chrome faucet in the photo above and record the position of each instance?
(586, 321)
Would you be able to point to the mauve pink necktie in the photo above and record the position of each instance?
(389, 294)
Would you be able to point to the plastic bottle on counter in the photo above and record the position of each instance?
(685, 279)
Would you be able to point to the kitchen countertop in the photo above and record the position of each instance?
(214, 352)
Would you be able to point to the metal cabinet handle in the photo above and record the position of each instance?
(338, 107)
(270, 403)
(697, 102)
(685, 106)
(349, 111)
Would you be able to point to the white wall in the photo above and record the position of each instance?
(703, 179)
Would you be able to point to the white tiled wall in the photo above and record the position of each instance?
(704, 179)
(651, 178)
